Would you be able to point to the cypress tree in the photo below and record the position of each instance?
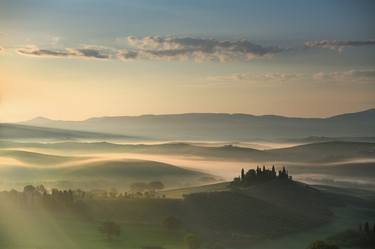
(367, 228)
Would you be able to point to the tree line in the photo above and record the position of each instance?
(253, 176)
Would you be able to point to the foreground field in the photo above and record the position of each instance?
(264, 216)
(42, 231)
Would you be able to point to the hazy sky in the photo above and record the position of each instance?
(74, 59)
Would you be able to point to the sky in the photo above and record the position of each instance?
(76, 59)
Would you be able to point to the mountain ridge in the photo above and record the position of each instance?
(222, 126)
(42, 118)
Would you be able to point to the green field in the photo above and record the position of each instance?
(41, 230)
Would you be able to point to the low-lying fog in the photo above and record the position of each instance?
(225, 169)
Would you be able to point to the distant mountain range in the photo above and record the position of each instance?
(221, 126)
(17, 131)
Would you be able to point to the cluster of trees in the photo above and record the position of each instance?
(34, 196)
(366, 229)
(114, 194)
(260, 175)
(39, 196)
(146, 187)
(363, 237)
(366, 235)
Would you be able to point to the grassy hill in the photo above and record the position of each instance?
(38, 159)
(105, 174)
(326, 151)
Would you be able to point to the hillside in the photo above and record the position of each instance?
(223, 126)
(37, 158)
(105, 174)
(316, 152)
(326, 151)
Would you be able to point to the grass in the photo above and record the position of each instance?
(347, 217)
(39, 230)
(180, 192)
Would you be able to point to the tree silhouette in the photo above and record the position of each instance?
(367, 228)
(29, 189)
(156, 185)
(110, 229)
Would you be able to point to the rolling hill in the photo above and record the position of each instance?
(38, 159)
(316, 152)
(222, 126)
(326, 151)
(105, 174)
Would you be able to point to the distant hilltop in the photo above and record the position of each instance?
(260, 175)
(222, 126)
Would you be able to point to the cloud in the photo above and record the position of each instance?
(338, 45)
(197, 49)
(86, 52)
(367, 75)
(349, 76)
(93, 53)
(248, 77)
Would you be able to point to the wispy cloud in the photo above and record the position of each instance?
(197, 49)
(349, 76)
(85, 52)
(338, 45)
(248, 77)
(367, 75)
(172, 48)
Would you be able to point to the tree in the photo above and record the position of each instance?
(192, 241)
(321, 245)
(29, 189)
(110, 229)
(41, 189)
(155, 185)
(367, 228)
(172, 223)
